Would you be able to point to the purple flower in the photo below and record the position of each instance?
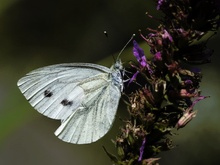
(139, 54)
(133, 77)
(157, 56)
(188, 82)
(189, 114)
(159, 3)
(142, 150)
(197, 100)
(167, 35)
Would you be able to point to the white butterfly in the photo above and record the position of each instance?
(83, 96)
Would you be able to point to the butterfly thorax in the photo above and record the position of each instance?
(117, 76)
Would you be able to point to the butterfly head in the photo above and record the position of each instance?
(118, 65)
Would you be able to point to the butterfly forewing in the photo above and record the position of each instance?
(81, 95)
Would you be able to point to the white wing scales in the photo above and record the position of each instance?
(81, 95)
(88, 124)
(45, 88)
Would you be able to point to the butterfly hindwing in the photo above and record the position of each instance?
(91, 122)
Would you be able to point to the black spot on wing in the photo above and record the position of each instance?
(48, 93)
(66, 102)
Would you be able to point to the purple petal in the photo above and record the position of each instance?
(158, 56)
(141, 58)
(159, 3)
(188, 82)
(197, 100)
(139, 54)
(133, 77)
(142, 150)
(167, 35)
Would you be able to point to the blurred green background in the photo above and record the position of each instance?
(43, 32)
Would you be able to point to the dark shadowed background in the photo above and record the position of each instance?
(36, 33)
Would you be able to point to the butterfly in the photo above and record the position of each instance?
(83, 96)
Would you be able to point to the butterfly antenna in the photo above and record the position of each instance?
(106, 35)
(133, 35)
